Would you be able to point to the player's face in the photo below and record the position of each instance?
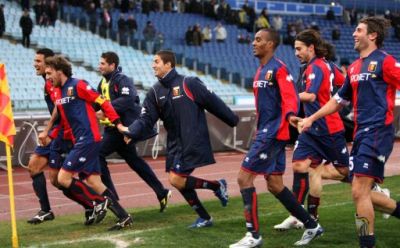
(302, 51)
(361, 37)
(105, 68)
(260, 44)
(53, 76)
(39, 65)
(160, 69)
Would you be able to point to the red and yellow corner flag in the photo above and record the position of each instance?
(7, 132)
(7, 127)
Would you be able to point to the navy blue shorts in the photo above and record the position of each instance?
(332, 148)
(83, 158)
(371, 150)
(43, 151)
(266, 157)
(58, 152)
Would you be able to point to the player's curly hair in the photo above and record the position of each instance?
(59, 63)
(377, 25)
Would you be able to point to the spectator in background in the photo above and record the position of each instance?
(39, 9)
(105, 22)
(149, 33)
(244, 38)
(26, 25)
(243, 17)
(52, 11)
(277, 23)
(122, 28)
(92, 15)
(132, 27)
(223, 10)
(220, 33)
(353, 17)
(189, 36)
(263, 20)
(207, 33)
(335, 33)
(159, 41)
(346, 16)
(197, 37)
(2, 20)
(330, 14)
(314, 26)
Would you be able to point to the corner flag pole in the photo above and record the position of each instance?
(12, 202)
(7, 133)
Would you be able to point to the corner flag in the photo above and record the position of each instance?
(7, 133)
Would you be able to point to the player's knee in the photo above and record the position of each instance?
(177, 182)
(299, 167)
(54, 182)
(33, 169)
(357, 193)
(274, 188)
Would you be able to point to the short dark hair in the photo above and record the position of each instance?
(312, 37)
(167, 56)
(59, 63)
(111, 58)
(273, 36)
(376, 25)
(46, 52)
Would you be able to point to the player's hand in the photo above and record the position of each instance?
(100, 115)
(305, 124)
(44, 139)
(127, 140)
(122, 128)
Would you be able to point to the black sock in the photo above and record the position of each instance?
(367, 241)
(190, 196)
(115, 207)
(312, 206)
(39, 186)
(251, 211)
(71, 196)
(396, 212)
(290, 203)
(199, 183)
(300, 186)
(84, 192)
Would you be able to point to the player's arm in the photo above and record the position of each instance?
(87, 93)
(313, 82)
(290, 100)
(143, 126)
(391, 71)
(342, 98)
(44, 136)
(126, 95)
(198, 92)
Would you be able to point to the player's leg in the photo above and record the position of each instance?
(108, 145)
(37, 163)
(178, 180)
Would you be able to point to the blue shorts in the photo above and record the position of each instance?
(371, 150)
(43, 151)
(83, 158)
(266, 157)
(58, 152)
(332, 148)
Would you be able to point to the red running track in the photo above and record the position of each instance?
(134, 192)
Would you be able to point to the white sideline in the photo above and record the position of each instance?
(119, 243)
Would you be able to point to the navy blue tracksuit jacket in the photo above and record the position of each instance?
(180, 103)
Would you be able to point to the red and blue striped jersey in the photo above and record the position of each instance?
(318, 78)
(275, 98)
(75, 107)
(370, 85)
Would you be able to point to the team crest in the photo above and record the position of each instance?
(372, 66)
(176, 91)
(70, 91)
(268, 75)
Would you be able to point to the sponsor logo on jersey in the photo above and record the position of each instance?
(70, 91)
(372, 66)
(360, 77)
